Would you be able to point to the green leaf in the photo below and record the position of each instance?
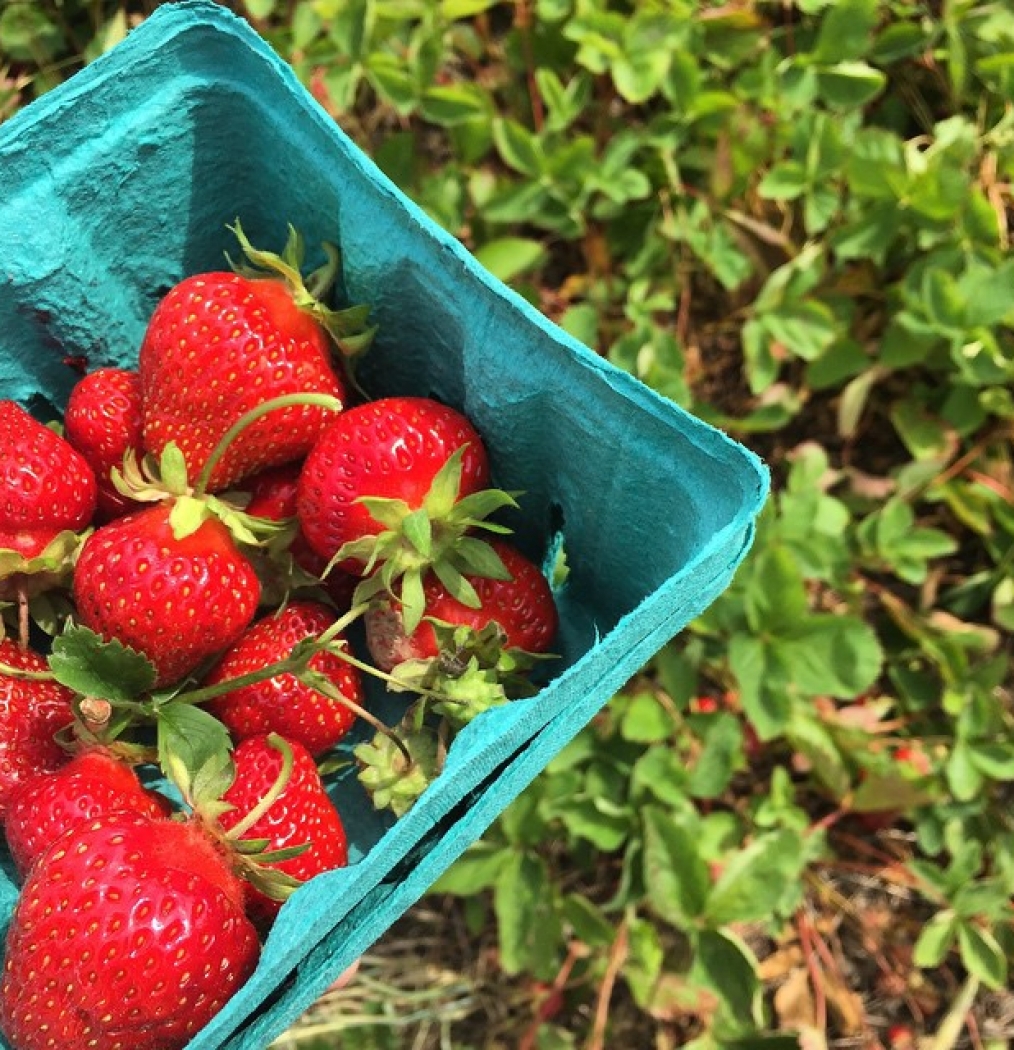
(786, 180)
(676, 877)
(935, 941)
(722, 752)
(508, 257)
(28, 35)
(83, 661)
(453, 104)
(982, 955)
(645, 720)
(755, 879)
(763, 683)
(845, 31)
(455, 9)
(776, 601)
(518, 147)
(725, 965)
(806, 327)
(190, 739)
(524, 900)
(831, 655)
(589, 819)
(849, 85)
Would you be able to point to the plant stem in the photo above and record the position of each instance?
(270, 797)
(285, 401)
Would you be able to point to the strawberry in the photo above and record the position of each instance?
(129, 933)
(522, 606)
(397, 486)
(221, 344)
(102, 421)
(284, 704)
(298, 815)
(177, 596)
(45, 484)
(391, 448)
(32, 712)
(47, 494)
(93, 782)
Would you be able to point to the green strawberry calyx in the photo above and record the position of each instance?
(31, 582)
(437, 536)
(393, 778)
(473, 671)
(348, 327)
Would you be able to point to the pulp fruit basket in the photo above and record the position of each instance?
(122, 181)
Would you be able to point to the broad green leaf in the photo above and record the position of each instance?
(645, 720)
(508, 257)
(189, 740)
(806, 327)
(784, 181)
(527, 919)
(763, 683)
(27, 34)
(849, 85)
(518, 147)
(935, 940)
(831, 655)
(724, 964)
(755, 879)
(845, 31)
(964, 777)
(582, 322)
(590, 924)
(776, 600)
(455, 9)
(676, 877)
(86, 663)
(589, 819)
(722, 752)
(811, 738)
(260, 8)
(982, 955)
(451, 104)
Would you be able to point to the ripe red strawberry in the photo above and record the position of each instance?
(31, 714)
(45, 484)
(93, 782)
(129, 933)
(177, 599)
(391, 448)
(523, 606)
(301, 815)
(220, 344)
(283, 704)
(102, 421)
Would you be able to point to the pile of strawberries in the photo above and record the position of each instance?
(180, 564)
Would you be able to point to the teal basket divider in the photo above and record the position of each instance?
(122, 181)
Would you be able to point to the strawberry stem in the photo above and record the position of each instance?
(28, 676)
(325, 688)
(248, 418)
(270, 797)
(295, 663)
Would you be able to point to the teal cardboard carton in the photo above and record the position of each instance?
(120, 182)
